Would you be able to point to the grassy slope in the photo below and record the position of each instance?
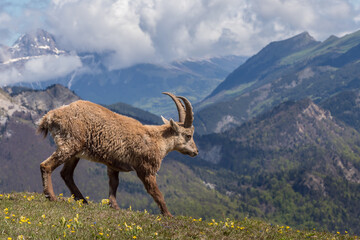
(31, 216)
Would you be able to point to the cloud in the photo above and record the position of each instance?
(160, 30)
(41, 69)
(129, 32)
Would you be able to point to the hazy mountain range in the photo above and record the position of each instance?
(278, 138)
(86, 74)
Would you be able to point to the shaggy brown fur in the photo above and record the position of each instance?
(89, 131)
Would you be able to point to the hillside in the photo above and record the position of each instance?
(295, 164)
(291, 69)
(345, 106)
(30, 216)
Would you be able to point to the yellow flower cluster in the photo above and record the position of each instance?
(105, 202)
(227, 224)
(20, 237)
(29, 198)
(130, 229)
(24, 220)
(101, 231)
(282, 228)
(195, 220)
(4, 196)
(21, 220)
(70, 225)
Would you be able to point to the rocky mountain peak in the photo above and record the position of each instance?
(29, 105)
(315, 112)
(289, 125)
(35, 43)
(303, 38)
(43, 100)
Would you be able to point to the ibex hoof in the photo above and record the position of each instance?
(114, 206)
(168, 215)
(50, 198)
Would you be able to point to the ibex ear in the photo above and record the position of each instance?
(165, 120)
(174, 126)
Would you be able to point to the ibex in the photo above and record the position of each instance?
(86, 130)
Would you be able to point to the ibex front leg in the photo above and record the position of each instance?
(152, 188)
(48, 166)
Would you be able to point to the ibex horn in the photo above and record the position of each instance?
(180, 107)
(189, 112)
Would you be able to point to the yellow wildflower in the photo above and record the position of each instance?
(23, 219)
(105, 201)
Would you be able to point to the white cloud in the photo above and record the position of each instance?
(133, 31)
(41, 69)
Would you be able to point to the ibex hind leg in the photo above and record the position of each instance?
(67, 174)
(48, 166)
(113, 185)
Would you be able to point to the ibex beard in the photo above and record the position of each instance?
(85, 130)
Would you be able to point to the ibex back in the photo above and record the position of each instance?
(89, 131)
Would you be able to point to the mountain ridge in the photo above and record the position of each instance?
(304, 73)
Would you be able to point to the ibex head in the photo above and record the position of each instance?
(183, 129)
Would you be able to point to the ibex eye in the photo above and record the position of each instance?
(188, 137)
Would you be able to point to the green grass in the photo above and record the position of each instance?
(31, 216)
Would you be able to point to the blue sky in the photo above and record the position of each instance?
(164, 30)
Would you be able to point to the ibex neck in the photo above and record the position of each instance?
(162, 134)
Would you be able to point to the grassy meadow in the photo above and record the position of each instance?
(31, 216)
